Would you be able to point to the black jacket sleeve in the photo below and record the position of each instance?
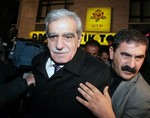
(9, 92)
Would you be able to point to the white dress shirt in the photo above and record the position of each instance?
(50, 67)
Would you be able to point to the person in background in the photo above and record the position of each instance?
(110, 40)
(55, 91)
(129, 95)
(11, 87)
(93, 48)
(7, 71)
(10, 92)
(104, 55)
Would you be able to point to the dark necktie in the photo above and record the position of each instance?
(56, 67)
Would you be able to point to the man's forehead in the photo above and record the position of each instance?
(132, 48)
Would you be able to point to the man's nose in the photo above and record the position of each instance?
(60, 43)
(132, 62)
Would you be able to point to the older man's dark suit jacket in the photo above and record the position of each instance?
(55, 97)
(132, 99)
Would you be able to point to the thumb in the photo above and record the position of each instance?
(106, 93)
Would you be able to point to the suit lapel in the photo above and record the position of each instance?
(121, 94)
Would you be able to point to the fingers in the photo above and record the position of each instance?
(89, 89)
(92, 87)
(106, 93)
(85, 91)
(84, 102)
(30, 79)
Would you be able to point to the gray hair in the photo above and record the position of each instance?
(57, 14)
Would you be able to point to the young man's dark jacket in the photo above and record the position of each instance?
(11, 91)
(55, 97)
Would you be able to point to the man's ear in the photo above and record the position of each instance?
(111, 52)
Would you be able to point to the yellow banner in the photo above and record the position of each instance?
(37, 35)
(100, 37)
(98, 19)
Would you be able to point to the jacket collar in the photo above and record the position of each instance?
(124, 87)
(122, 93)
(74, 66)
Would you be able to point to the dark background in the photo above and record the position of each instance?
(8, 15)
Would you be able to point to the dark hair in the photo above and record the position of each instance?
(104, 49)
(92, 43)
(110, 38)
(129, 36)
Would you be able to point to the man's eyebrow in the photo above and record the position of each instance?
(140, 56)
(68, 33)
(125, 53)
(52, 33)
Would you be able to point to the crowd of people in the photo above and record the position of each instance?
(97, 82)
(94, 48)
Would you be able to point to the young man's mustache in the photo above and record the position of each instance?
(127, 68)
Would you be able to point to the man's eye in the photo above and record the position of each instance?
(138, 58)
(52, 37)
(68, 36)
(125, 55)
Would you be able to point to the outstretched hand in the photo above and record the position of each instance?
(99, 104)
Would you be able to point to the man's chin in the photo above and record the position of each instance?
(61, 61)
(127, 76)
